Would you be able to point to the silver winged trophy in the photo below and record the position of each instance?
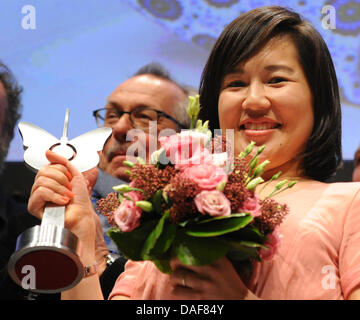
(49, 249)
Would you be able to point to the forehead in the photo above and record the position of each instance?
(278, 50)
(146, 90)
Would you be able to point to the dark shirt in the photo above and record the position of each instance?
(14, 220)
(102, 188)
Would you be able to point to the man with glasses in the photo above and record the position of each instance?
(149, 97)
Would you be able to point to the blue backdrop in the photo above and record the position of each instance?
(73, 53)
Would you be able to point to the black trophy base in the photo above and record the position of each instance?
(46, 260)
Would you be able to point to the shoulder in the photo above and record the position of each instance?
(330, 202)
(344, 199)
(345, 189)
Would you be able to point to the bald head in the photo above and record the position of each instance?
(143, 90)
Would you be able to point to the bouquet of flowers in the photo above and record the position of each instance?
(195, 203)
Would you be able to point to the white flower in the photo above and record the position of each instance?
(154, 158)
(220, 159)
(196, 137)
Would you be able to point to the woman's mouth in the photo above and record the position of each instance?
(259, 130)
(259, 126)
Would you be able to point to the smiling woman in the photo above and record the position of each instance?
(263, 101)
(270, 58)
(270, 78)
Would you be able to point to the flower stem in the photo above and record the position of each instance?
(274, 177)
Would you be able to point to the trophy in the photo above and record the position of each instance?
(49, 250)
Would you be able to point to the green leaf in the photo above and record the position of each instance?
(219, 226)
(166, 239)
(130, 243)
(198, 251)
(154, 236)
(251, 244)
(163, 266)
(163, 243)
(243, 250)
(233, 215)
(157, 201)
(241, 253)
(144, 205)
(249, 233)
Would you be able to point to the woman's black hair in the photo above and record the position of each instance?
(242, 39)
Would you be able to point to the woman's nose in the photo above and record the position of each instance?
(256, 99)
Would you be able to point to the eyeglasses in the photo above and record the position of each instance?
(140, 117)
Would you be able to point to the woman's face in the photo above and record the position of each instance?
(268, 100)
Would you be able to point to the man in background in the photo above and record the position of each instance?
(150, 95)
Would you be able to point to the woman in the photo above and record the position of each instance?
(271, 79)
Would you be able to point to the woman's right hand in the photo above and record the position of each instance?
(61, 184)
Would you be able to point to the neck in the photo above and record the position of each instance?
(290, 170)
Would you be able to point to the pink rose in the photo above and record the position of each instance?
(127, 215)
(206, 176)
(175, 145)
(197, 137)
(199, 156)
(185, 150)
(252, 206)
(213, 203)
(273, 244)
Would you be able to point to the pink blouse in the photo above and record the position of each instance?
(319, 255)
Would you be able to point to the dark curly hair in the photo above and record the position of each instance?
(12, 112)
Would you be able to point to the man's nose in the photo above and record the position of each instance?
(121, 127)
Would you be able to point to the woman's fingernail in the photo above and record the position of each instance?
(69, 194)
(69, 186)
(64, 199)
(68, 175)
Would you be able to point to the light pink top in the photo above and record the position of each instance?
(319, 256)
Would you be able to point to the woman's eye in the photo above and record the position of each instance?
(277, 80)
(236, 83)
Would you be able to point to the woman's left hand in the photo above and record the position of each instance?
(218, 281)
